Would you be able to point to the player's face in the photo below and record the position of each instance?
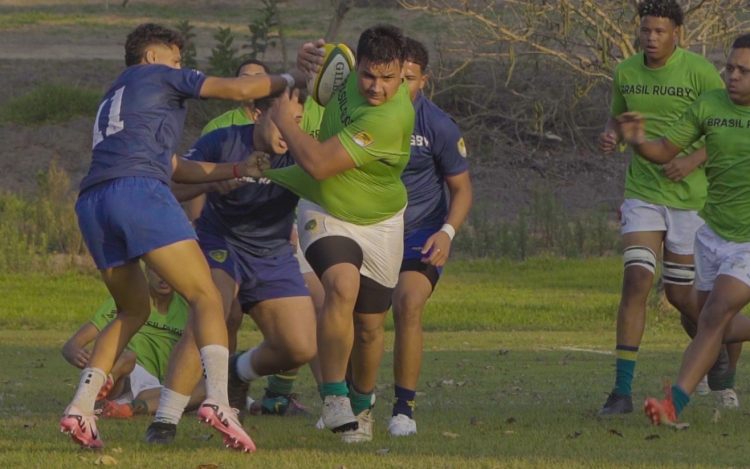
(378, 82)
(157, 284)
(415, 78)
(268, 137)
(737, 76)
(251, 70)
(163, 55)
(658, 38)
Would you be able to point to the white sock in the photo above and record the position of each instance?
(215, 359)
(171, 406)
(245, 369)
(92, 380)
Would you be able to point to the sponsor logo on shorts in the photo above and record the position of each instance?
(461, 145)
(311, 225)
(219, 255)
(363, 139)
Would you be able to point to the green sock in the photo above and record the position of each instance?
(625, 365)
(725, 381)
(281, 384)
(680, 399)
(333, 389)
(360, 402)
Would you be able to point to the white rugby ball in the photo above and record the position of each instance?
(338, 62)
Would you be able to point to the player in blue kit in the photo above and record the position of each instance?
(438, 158)
(244, 235)
(126, 212)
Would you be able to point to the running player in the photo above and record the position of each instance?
(352, 219)
(134, 384)
(126, 212)
(658, 215)
(244, 235)
(438, 158)
(722, 245)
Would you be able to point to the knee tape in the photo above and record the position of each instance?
(678, 274)
(641, 256)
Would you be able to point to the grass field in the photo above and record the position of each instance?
(517, 363)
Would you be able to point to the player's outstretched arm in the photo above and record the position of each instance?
(251, 87)
(632, 127)
(74, 350)
(320, 160)
(189, 172)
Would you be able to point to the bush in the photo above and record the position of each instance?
(48, 104)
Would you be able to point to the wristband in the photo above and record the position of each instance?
(235, 171)
(449, 230)
(289, 80)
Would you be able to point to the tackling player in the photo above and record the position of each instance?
(126, 212)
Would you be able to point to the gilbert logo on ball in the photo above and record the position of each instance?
(338, 61)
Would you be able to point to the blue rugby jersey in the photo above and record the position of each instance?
(139, 123)
(257, 217)
(437, 151)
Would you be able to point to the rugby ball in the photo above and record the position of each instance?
(338, 61)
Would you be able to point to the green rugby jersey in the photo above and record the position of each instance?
(377, 138)
(726, 127)
(153, 343)
(662, 95)
(312, 117)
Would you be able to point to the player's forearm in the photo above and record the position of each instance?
(191, 172)
(657, 151)
(243, 88)
(306, 151)
(696, 159)
(461, 199)
(70, 352)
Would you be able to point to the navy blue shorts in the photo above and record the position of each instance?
(125, 218)
(413, 243)
(259, 278)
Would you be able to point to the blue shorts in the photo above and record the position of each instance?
(125, 218)
(413, 243)
(259, 278)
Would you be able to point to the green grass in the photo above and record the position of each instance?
(517, 362)
(50, 103)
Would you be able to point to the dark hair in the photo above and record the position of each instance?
(263, 104)
(382, 44)
(416, 52)
(742, 42)
(145, 35)
(662, 9)
(257, 62)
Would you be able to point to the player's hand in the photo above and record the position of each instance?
(608, 141)
(632, 127)
(678, 169)
(310, 57)
(281, 108)
(436, 249)
(80, 357)
(224, 187)
(300, 78)
(255, 165)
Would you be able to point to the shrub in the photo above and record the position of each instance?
(49, 104)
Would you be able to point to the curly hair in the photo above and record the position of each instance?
(662, 9)
(145, 35)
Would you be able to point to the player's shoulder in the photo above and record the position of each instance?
(695, 58)
(433, 115)
(634, 62)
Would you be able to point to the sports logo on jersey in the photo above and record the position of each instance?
(461, 145)
(363, 139)
(219, 255)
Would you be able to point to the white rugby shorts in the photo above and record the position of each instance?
(140, 380)
(382, 243)
(680, 225)
(716, 256)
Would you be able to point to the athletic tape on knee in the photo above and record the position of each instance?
(641, 256)
(678, 274)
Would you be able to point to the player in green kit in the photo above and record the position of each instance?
(351, 219)
(722, 245)
(659, 214)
